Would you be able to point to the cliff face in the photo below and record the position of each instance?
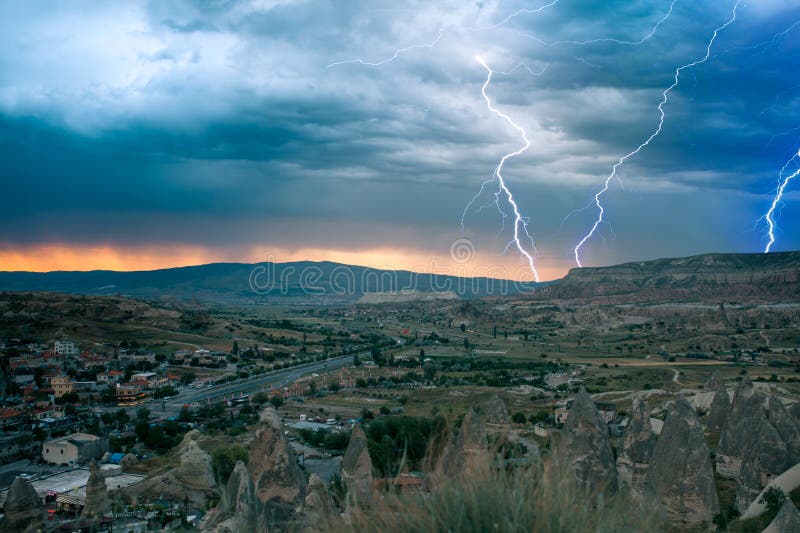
(699, 278)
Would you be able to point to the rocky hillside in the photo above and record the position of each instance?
(302, 282)
(729, 277)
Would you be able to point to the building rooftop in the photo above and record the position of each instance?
(75, 438)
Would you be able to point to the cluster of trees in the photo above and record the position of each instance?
(158, 436)
(325, 438)
(397, 439)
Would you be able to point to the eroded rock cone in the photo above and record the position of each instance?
(637, 448)
(128, 461)
(23, 508)
(195, 470)
(97, 501)
(713, 383)
(766, 456)
(318, 505)
(718, 414)
(794, 411)
(786, 521)
(278, 480)
(586, 446)
(357, 469)
(680, 474)
(786, 425)
(746, 411)
(471, 453)
(239, 509)
(495, 414)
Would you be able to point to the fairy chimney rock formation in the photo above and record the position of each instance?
(637, 448)
(195, 468)
(239, 509)
(357, 469)
(277, 479)
(718, 413)
(97, 502)
(786, 521)
(586, 447)
(765, 457)
(681, 475)
(23, 509)
(738, 431)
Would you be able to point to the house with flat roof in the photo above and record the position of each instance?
(73, 449)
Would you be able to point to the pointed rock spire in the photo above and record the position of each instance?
(765, 457)
(637, 448)
(680, 474)
(586, 446)
(357, 469)
(786, 521)
(737, 433)
(97, 502)
(23, 508)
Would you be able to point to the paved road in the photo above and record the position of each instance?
(275, 379)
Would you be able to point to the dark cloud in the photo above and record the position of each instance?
(221, 123)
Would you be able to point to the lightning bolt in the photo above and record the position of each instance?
(776, 201)
(440, 35)
(646, 37)
(394, 56)
(664, 99)
(520, 222)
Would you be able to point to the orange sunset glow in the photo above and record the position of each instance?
(52, 257)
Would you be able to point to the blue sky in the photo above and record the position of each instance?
(193, 131)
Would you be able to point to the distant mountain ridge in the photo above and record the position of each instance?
(298, 282)
(708, 277)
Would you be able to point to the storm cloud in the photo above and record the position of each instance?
(221, 124)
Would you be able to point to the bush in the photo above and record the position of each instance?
(773, 498)
(223, 461)
(499, 500)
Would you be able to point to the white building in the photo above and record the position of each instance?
(65, 347)
(72, 449)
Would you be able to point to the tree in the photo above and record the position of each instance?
(224, 459)
(185, 415)
(107, 418)
(188, 378)
(122, 417)
(494, 332)
(259, 398)
(235, 348)
(143, 413)
(421, 357)
(312, 387)
(463, 327)
(276, 401)
(518, 417)
(356, 362)
(334, 387)
(375, 351)
(773, 498)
